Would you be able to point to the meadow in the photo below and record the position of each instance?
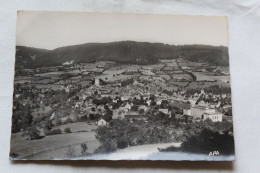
(56, 146)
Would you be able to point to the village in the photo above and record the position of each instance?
(96, 94)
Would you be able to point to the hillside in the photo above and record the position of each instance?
(121, 52)
(26, 56)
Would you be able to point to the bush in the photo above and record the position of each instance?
(122, 142)
(58, 122)
(83, 118)
(84, 149)
(54, 132)
(67, 130)
(71, 153)
(68, 120)
(32, 132)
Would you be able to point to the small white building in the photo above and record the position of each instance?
(185, 68)
(187, 112)
(102, 122)
(217, 116)
(165, 111)
(97, 82)
(204, 113)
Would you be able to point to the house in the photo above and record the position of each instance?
(187, 112)
(143, 107)
(123, 98)
(125, 108)
(198, 111)
(158, 102)
(185, 68)
(165, 111)
(217, 116)
(17, 95)
(118, 114)
(203, 112)
(223, 96)
(135, 116)
(148, 102)
(97, 82)
(102, 122)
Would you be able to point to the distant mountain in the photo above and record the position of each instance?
(201, 53)
(130, 52)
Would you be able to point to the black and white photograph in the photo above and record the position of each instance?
(121, 86)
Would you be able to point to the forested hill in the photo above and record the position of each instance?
(26, 56)
(121, 52)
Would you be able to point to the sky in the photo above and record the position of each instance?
(50, 30)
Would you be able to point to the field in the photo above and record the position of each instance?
(180, 84)
(55, 146)
(201, 76)
(50, 74)
(78, 127)
(154, 66)
(24, 79)
(169, 68)
(194, 85)
(182, 76)
(191, 64)
(45, 86)
(207, 76)
(45, 81)
(112, 78)
(166, 77)
(224, 79)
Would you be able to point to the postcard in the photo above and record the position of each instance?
(115, 86)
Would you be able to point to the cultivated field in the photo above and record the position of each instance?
(194, 85)
(201, 76)
(191, 64)
(183, 76)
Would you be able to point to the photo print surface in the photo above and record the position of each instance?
(112, 86)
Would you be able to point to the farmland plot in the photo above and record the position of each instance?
(182, 76)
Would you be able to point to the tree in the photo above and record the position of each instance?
(58, 122)
(164, 104)
(33, 133)
(134, 108)
(21, 119)
(71, 153)
(84, 149)
(109, 114)
(67, 130)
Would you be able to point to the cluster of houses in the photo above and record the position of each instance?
(143, 86)
(203, 110)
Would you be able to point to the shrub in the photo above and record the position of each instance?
(67, 130)
(68, 120)
(58, 122)
(83, 118)
(71, 152)
(54, 132)
(33, 133)
(84, 149)
(122, 142)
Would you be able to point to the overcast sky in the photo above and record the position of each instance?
(50, 30)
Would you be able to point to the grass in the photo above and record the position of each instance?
(54, 146)
(194, 85)
(201, 76)
(78, 126)
(182, 76)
